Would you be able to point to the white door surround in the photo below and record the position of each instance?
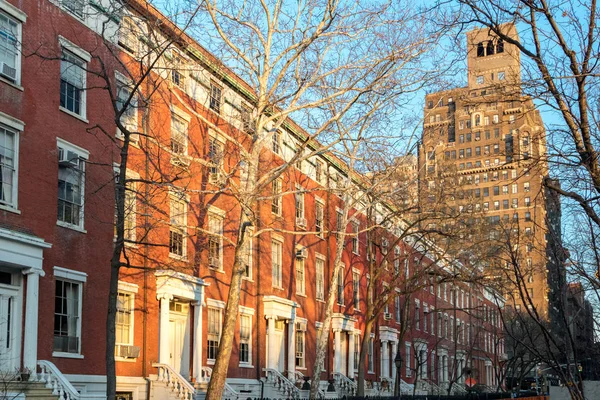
(179, 335)
(343, 337)
(10, 326)
(189, 289)
(22, 253)
(277, 312)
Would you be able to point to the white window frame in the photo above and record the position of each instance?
(320, 277)
(177, 136)
(407, 359)
(78, 278)
(129, 118)
(83, 156)
(176, 196)
(300, 202)
(130, 290)
(15, 127)
(300, 269)
(217, 306)
(248, 313)
(17, 16)
(215, 104)
(276, 265)
(339, 279)
(355, 242)
(68, 47)
(248, 254)
(319, 217)
(371, 355)
(356, 288)
(276, 188)
(215, 219)
(300, 356)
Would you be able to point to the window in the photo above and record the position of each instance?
(319, 218)
(128, 104)
(300, 277)
(300, 206)
(300, 361)
(128, 33)
(355, 229)
(276, 253)
(76, 7)
(130, 216)
(320, 279)
(425, 312)
(179, 128)
(527, 201)
(407, 359)
(177, 77)
(396, 260)
(370, 355)
(214, 333)
(432, 321)
(319, 172)
(340, 286)
(276, 142)
(247, 251)
(177, 230)
(71, 184)
(72, 83)
(215, 240)
(501, 74)
(526, 187)
(515, 203)
(67, 310)
(215, 159)
(339, 219)
(479, 79)
(10, 47)
(417, 315)
(245, 338)
(397, 308)
(356, 352)
(515, 188)
(8, 165)
(124, 319)
(215, 97)
(276, 193)
(356, 289)
(527, 216)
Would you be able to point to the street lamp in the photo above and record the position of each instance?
(398, 363)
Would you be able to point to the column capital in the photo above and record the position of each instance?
(164, 296)
(196, 303)
(34, 271)
(270, 316)
(336, 330)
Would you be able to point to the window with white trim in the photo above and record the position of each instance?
(299, 204)
(396, 260)
(178, 224)
(300, 349)
(179, 135)
(371, 355)
(355, 229)
(276, 260)
(356, 352)
(245, 339)
(300, 277)
(397, 308)
(128, 34)
(75, 7)
(9, 150)
(215, 159)
(67, 310)
(247, 253)
(214, 332)
(340, 286)
(215, 241)
(71, 184)
(356, 289)
(276, 142)
(276, 194)
(72, 83)
(216, 93)
(407, 360)
(319, 218)
(128, 105)
(124, 319)
(10, 47)
(320, 278)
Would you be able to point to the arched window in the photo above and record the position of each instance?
(500, 46)
(480, 50)
(490, 48)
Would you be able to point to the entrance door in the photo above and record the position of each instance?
(10, 358)
(279, 346)
(179, 336)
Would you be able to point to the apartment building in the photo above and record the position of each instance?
(484, 146)
(64, 62)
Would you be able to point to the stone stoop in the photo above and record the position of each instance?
(26, 390)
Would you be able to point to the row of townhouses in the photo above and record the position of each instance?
(60, 146)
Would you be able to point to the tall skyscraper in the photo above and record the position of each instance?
(482, 164)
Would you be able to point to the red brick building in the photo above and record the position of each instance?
(60, 70)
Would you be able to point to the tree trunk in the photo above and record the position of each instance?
(363, 352)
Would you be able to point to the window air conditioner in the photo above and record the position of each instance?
(301, 253)
(67, 158)
(8, 72)
(180, 160)
(301, 221)
(126, 351)
(387, 316)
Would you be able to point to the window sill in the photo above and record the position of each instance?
(70, 226)
(219, 270)
(210, 362)
(74, 115)
(126, 360)
(14, 85)
(4, 207)
(277, 287)
(301, 294)
(249, 280)
(241, 365)
(177, 257)
(62, 354)
(320, 300)
(302, 368)
(121, 137)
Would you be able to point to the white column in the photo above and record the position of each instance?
(271, 362)
(164, 345)
(394, 351)
(198, 340)
(337, 361)
(291, 349)
(30, 339)
(351, 339)
(385, 359)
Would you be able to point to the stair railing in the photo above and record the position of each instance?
(55, 380)
(345, 383)
(229, 393)
(182, 388)
(282, 383)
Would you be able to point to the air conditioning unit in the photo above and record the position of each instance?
(180, 160)
(461, 156)
(214, 262)
(301, 253)
(126, 351)
(8, 72)
(301, 326)
(301, 221)
(477, 138)
(387, 316)
(67, 158)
